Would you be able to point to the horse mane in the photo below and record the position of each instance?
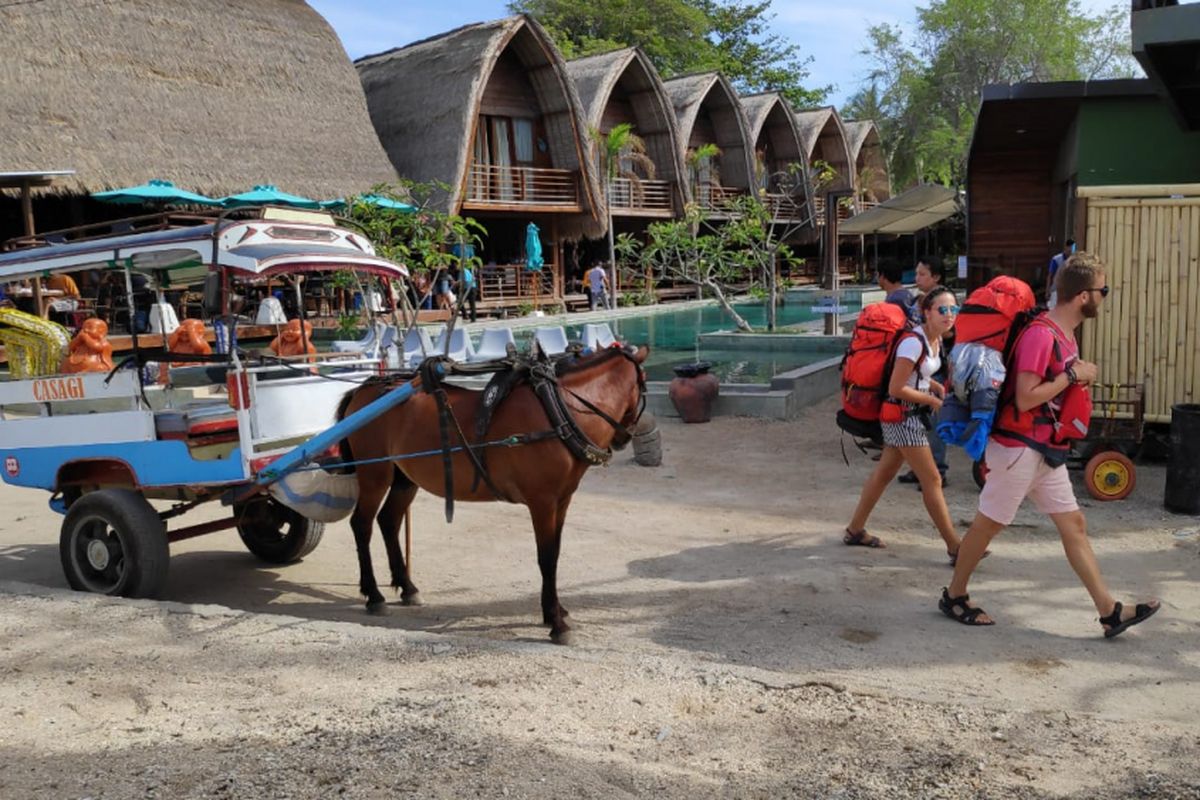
(568, 365)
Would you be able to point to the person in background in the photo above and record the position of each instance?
(889, 277)
(928, 277)
(1055, 265)
(1045, 364)
(597, 281)
(69, 301)
(469, 290)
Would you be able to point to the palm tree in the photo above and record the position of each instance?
(622, 154)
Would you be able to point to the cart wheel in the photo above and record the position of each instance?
(1109, 475)
(979, 471)
(276, 533)
(114, 543)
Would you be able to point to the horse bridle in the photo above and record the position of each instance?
(622, 433)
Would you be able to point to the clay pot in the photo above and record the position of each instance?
(693, 391)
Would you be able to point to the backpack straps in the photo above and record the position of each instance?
(890, 366)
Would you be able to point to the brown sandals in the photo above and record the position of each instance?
(862, 539)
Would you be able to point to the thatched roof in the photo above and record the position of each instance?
(824, 138)
(870, 163)
(711, 94)
(424, 100)
(628, 73)
(771, 119)
(216, 96)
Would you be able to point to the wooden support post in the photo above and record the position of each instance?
(27, 214)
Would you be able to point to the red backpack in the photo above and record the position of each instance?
(865, 367)
(995, 314)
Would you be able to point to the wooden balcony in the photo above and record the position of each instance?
(644, 199)
(521, 188)
(514, 284)
(786, 207)
(715, 198)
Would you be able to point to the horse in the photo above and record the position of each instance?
(602, 393)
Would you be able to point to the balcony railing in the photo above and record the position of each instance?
(501, 284)
(787, 207)
(491, 185)
(716, 198)
(641, 197)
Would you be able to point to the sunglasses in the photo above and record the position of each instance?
(1103, 290)
(947, 310)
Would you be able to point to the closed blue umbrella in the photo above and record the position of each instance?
(155, 191)
(267, 195)
(533, 249)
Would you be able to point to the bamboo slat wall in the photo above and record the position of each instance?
(1147, 329)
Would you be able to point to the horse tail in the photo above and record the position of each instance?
(345, 455)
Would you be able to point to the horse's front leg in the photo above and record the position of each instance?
(390, 518)
(547, 528)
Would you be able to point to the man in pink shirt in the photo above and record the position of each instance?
(1024, 460)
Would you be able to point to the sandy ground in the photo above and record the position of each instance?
(726, 646)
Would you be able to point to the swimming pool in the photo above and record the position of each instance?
(672, 336)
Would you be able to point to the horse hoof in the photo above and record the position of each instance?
(413, 599)
(377, 609)
(566, 637)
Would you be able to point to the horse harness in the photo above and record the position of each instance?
(542, 374)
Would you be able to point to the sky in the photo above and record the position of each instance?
(832, 33)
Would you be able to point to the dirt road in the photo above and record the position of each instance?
(727, 645)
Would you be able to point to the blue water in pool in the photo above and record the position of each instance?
(672, 339)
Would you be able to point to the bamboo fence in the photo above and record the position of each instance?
(1147, 329)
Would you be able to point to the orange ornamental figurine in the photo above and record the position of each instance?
(90, 350)
(289, 342)
(188, 339)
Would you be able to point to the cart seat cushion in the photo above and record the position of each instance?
(197, 421)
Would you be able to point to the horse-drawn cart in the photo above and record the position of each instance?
(234, 429)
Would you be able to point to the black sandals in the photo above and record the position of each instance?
(1114, 625)
(956, 608)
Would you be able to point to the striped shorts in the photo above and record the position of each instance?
(909, 433)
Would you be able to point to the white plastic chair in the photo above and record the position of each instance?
(460, 348)
(550, 341)
(369, 345)
(494, 344)
(163, 319)
(270, 312)
(597, 336)
(417, 346)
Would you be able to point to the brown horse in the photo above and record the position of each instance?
(541, 474)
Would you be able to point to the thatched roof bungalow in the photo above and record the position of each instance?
(622, 86)
(215, 96)
(708, 112)
(490, 109)
(823, 137)
(873, 180)
(779, 158)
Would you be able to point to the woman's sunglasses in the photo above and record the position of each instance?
(947, 310)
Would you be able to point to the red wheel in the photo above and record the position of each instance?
(979, 472)
(1109, 475)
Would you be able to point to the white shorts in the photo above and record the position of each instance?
(1015, 473)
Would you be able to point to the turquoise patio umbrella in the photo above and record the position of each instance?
(155, 191)
(370, 199)
(267, 194)
(533, 249)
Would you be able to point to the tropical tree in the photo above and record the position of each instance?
(423, 239)
(923, 90)
(622, 155)
(741, 253)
